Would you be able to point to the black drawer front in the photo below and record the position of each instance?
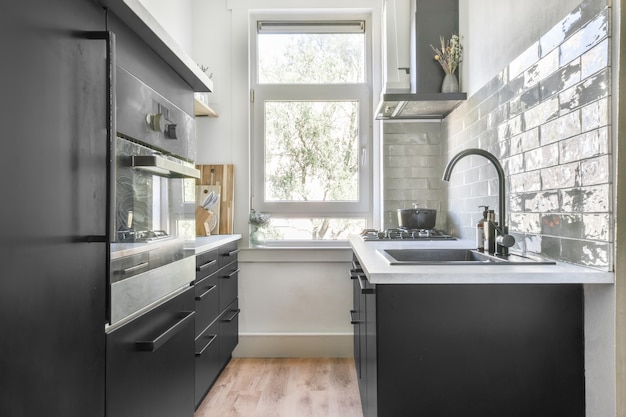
(207, 302)
(228, 281)
(153, 354)
(206, 264)
(227, 253)
(208, 363)
(229, 332)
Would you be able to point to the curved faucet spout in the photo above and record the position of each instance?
(501, 191)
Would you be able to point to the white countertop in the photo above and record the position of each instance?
(379, 271)
(205, 243)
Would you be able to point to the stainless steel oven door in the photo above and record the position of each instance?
(152, 253)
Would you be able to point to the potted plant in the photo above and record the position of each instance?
(449, 57)
(257, 220)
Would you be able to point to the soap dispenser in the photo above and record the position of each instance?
(480, 229)
(490, 232)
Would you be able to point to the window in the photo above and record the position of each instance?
(312, 130)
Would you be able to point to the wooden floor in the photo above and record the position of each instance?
(291, 387)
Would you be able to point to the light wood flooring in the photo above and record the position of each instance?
(290, 387)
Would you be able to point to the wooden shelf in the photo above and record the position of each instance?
(201, 109)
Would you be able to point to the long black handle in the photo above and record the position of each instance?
(352, 319)
(205, 347)
(206, 265)
(152, 345)
(363, 284)
(232, 274)
(201, 296)
(231, 253)
(111, 83)
(231, 318)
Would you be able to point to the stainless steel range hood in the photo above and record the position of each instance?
(412, 77)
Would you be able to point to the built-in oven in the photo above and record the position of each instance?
(152, 224)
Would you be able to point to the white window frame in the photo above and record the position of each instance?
(362, 93)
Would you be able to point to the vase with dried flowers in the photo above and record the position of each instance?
(257, 220)
(449, 56)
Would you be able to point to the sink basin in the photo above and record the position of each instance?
(454, 257)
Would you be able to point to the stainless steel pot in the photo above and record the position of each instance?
(417, 218)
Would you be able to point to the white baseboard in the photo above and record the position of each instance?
(294, 345)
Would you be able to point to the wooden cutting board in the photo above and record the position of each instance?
(223, 176)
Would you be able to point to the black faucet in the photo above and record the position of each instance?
(504, 241)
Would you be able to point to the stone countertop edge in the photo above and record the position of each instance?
(205, 243)
(379, 271)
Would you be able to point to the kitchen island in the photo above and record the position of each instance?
(470, 340)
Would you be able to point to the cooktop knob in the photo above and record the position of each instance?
(156, 122)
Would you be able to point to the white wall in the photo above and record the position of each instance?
(293, 302)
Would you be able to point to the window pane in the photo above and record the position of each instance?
(311, 151)
(311, 58)
(313, 229)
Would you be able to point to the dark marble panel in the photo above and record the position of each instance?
(563, 225)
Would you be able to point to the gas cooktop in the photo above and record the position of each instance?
(369, 235)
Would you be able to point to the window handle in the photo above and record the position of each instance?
(363, 156)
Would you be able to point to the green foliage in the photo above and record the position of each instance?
(312, 147)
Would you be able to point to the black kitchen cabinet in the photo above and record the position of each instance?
(471, 350)
(217, 311)
(150, 362)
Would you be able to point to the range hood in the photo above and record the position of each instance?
(413, 78)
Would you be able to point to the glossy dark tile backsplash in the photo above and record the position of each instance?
(547, 117)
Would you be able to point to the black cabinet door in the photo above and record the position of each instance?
(229, 332)
(228, 278)
(480, 350)
(150, 363)
(208, 363)
(207, 302)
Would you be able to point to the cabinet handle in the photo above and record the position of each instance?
(363, 284)
(232, 252)
(201, 296)
(352, 319)
(111, 80)
(232, 274)
(354, 274)
(152, 345)
(231, 318)
(135, 268)
(213, 336)
(206, 265)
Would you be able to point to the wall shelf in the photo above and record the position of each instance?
(202, 109)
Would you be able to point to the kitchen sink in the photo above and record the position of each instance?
(455, 257)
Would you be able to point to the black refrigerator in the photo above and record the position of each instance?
(52, 199)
